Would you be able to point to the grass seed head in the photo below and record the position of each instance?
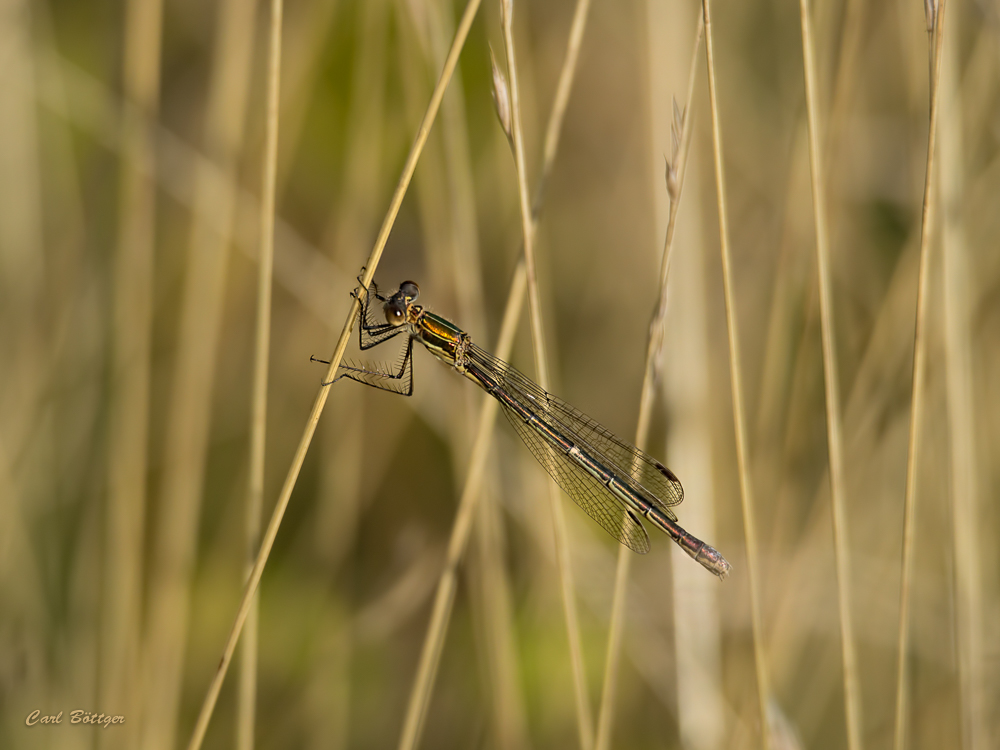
(501, 96)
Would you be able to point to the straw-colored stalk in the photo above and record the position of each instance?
(247, 694)
(43, 296)
(461, 230)
(37, 276)
(439, 216)
(585, 722)
(133, 322)
(341, 483)
(560, 101)
(208, 705)
(194, 370)
(349, 224)
(961, 408)
(736, 381)
(430, 654)
(493, 590)
(433, 642)
(492, 593)
(431, 191)
(843, 80)
(301, 66)
(835, 440)
(466, 259)
(917, 393)
(654, 345)
(22, 241)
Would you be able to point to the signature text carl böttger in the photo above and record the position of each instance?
(78, 716)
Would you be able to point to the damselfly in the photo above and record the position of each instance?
(614, 482)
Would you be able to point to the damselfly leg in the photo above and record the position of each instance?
(385, 377)
(375, 329)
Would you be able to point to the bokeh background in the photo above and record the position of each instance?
(130, 173)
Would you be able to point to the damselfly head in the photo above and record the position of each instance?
(398, 304)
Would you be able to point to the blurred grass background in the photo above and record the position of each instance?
(129, 190)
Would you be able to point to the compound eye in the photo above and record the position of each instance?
(409, 290)
(395, 314)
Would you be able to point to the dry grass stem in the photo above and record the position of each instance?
(301, 66)
(371, 265)
(430, 655)
(835, 440)
(355, 208)
(491, 596)
(560, 101)
(438, 221)
(187, 432)
(960, 386)
(344, 473)
(465, 256)
(616, 629)
(585, 722)
(918, 391)
(44, 291)
(352, 212)
(681, 131)
(494, 588)
(844, 80)
(736, 380)
(247, 694)
(133, 322)
(457, 261)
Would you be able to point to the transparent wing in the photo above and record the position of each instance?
(586, 491)
(640, 471)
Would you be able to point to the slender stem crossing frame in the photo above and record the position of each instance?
(585, 721)
(247, 700)
(917, 397)
(433, 642)
(736, 379)
(654, 345)
(831, 378)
